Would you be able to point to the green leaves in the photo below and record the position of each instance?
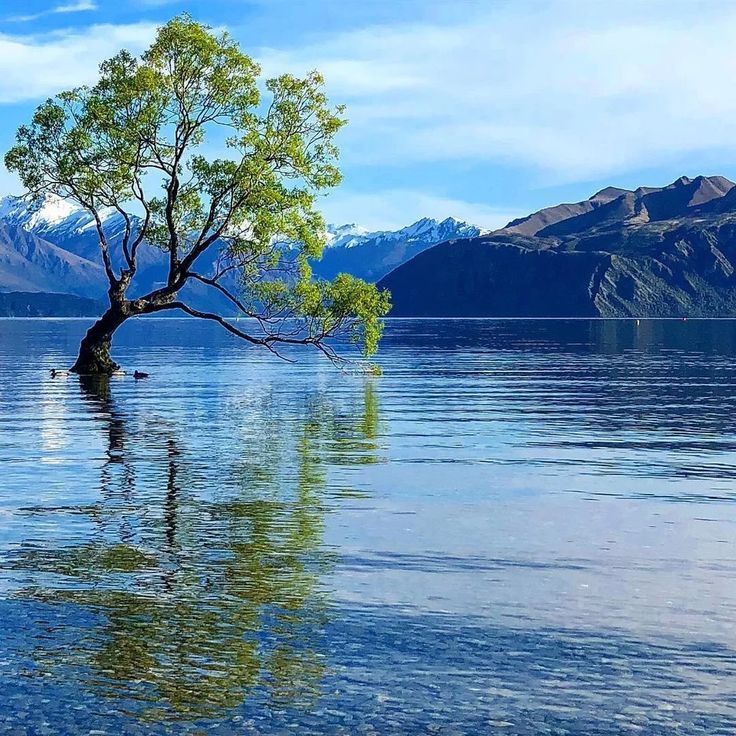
(141, 140)
(330, 305)
(206, 74)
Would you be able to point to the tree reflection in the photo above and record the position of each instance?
(206, 579)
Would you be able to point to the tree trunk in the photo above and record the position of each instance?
(94, 350)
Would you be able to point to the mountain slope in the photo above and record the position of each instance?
(680, 199)
(467, 278)
(668, 251)
(28, 263)
(532, 224)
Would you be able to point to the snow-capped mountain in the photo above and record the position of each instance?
(371, 255)
(62, 222)
(448, 229)
(70, 229)
(345, 236)
(348, 236)
(51, 211)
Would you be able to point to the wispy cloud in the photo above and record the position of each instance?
(393, 208)
(77, 7)
(33, 67)
(573, 90)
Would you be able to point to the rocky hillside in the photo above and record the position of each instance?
(664, 252)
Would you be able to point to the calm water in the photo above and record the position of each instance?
(522, 527)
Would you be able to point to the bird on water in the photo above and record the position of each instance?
(138, 375)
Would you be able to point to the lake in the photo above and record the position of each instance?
(521, 527)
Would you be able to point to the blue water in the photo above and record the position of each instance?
(521, 527)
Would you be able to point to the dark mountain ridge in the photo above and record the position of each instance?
(659, 252)
(41, 304)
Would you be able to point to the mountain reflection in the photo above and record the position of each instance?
(202, 577)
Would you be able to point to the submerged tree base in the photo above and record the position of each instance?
(95, 362)
(94, 351)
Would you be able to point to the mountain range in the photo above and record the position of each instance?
(653, 251)
(372, 255)
(52, 246)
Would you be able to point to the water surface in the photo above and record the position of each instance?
(521, 527)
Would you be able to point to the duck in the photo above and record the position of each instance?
(55, 373)
(139, 374)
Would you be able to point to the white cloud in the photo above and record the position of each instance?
(394, 208)
(33, 67)
(75, 7)
(575, 90)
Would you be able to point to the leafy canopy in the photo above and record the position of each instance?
(147, 125)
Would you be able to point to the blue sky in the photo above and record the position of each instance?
(485, 110)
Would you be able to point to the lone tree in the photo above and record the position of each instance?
(248, 216)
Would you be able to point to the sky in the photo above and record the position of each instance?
(483, 110)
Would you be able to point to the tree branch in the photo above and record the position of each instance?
(216, 285)
(220, 320)
(268, 342)
(126, 237)
(104, 247)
